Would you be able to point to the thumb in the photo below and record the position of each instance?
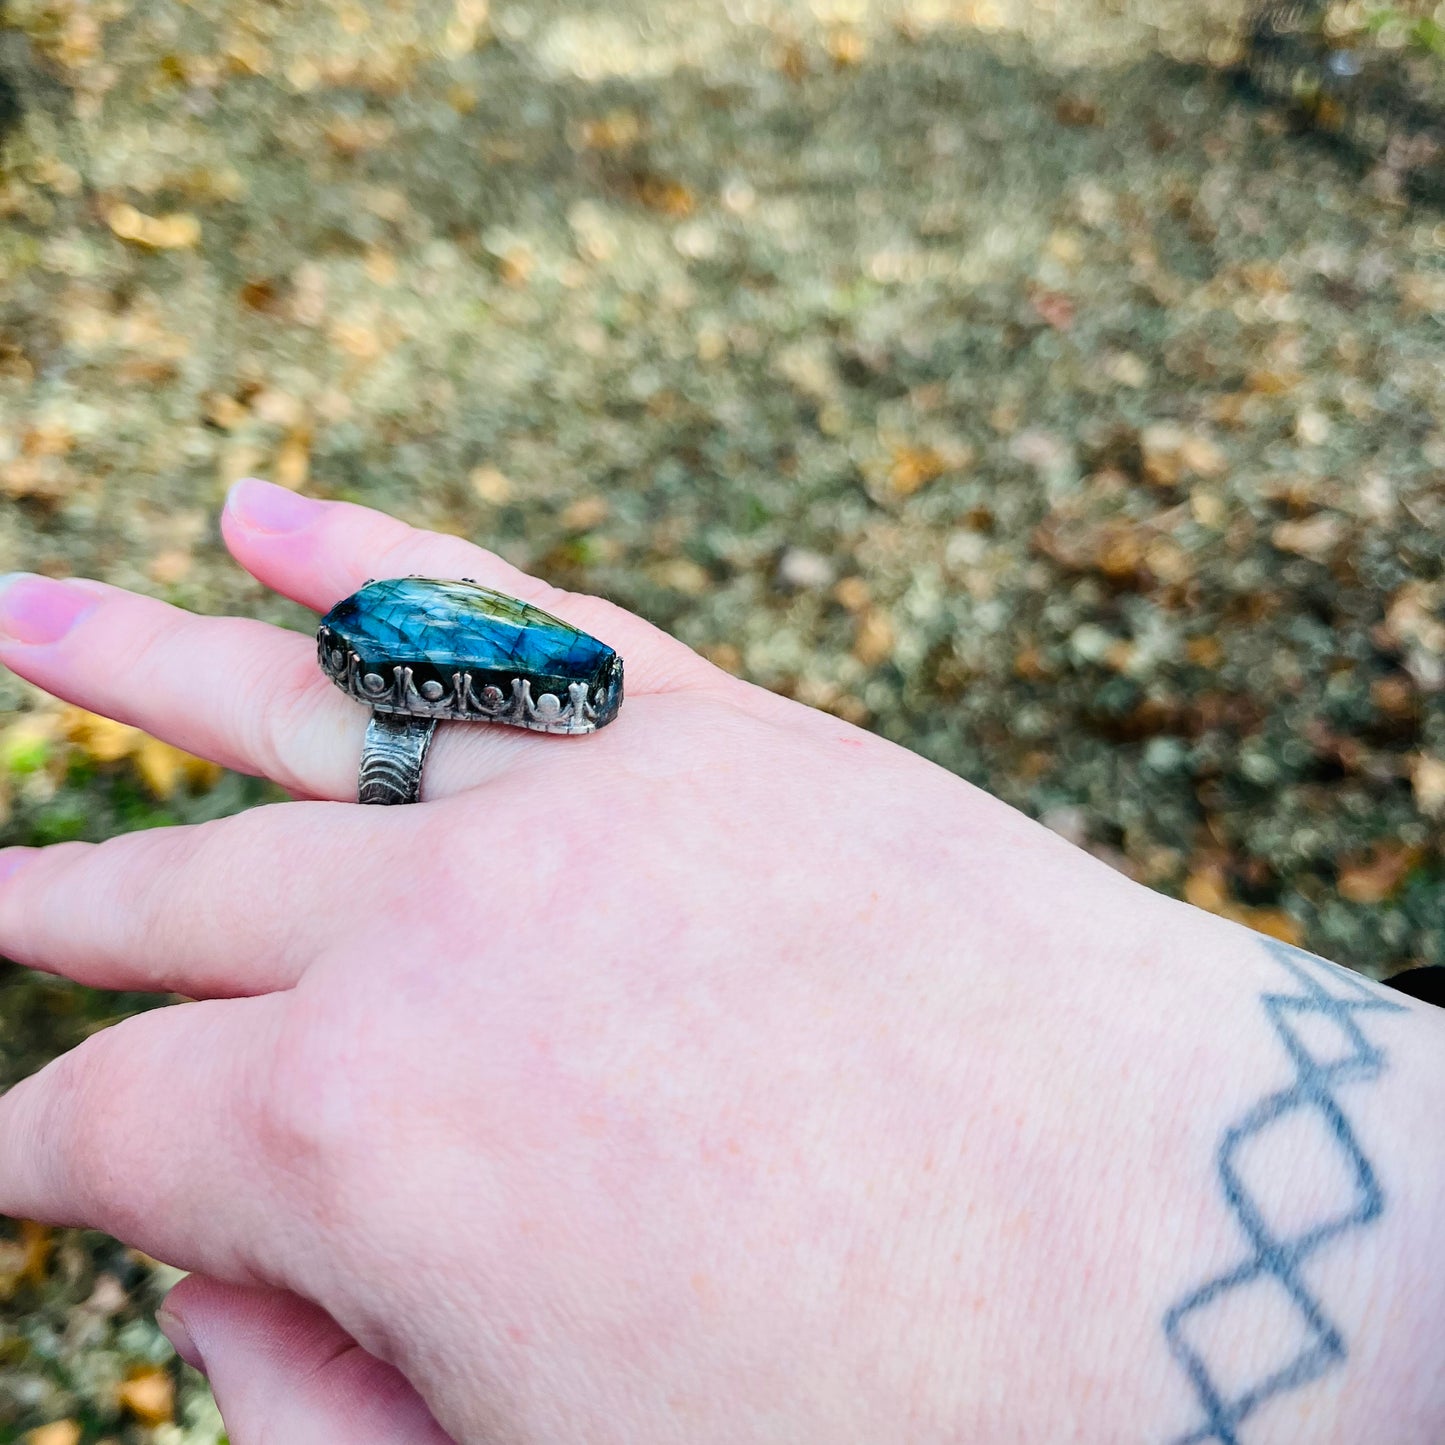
(281, 1369)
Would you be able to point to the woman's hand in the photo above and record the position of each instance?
(730, 1075)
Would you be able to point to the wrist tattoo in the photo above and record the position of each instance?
(1318, 1021)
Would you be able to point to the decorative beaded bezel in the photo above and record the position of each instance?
(468, 695)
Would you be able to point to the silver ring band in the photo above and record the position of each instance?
(392, 757)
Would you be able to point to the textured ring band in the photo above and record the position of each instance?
(392, 757)
(418, 651)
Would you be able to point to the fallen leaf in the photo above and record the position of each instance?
(170, 566)
(912, 468)
(1380, 874)
(101, 739)
(615, 131)
(585, 513)
(38, 1241)
(658, 193)
(1274, 922)
(846, 46)
(163, 769)
(1410, 619)
(380, 267)
(1031, 665)
(1206, 888)
(1169, 452)
(351, 135)
(293, 462)
(1208, 509)
(43, 479)
(150, 1395)
(491, 486)
(357, 339)
(1204, 651)
(873, 642)
(726, 656)
(1427, 777)
(174, 232)
(224, 411)
(61, 1432)
(1313, 537)
(1267, 382)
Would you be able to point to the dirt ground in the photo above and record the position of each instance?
(993, 373)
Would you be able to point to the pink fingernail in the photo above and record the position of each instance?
(270, 508)
(11, 859)
(39, 610)
(174, 1330)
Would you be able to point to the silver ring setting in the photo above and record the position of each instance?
(420, 650)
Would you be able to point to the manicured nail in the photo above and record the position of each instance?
(269, 508)
(11, 859)
(38, 609)
(180, 1337)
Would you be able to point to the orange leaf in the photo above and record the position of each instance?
(150, 1395)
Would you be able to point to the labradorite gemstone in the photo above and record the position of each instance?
(459, 650)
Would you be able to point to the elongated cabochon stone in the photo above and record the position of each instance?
(441, 628)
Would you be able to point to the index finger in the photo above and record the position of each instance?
(318, 552)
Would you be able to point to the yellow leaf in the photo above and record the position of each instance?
(62, 1432)
(175, 232)
(1272, 921)
(293, 463)
(912, 468)
(1427, 776)
(150, 1395)
(1205, 888)
(1315, 537)
(873, 641)
(491, 485)
(846, 47)
(100, 738)
(163, 768)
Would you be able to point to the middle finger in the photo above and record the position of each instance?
(232, 907)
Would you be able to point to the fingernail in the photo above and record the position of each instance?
(39, 609)
(270, 508)
(180, 1337)
(11, 859)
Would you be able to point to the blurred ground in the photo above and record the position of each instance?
(993, 374)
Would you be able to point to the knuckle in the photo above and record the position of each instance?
(291, 691)
(92, 1133)
(304, 1114)
(28, 913)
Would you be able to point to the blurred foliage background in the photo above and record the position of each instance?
(1051, 385)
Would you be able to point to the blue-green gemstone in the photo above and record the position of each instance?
(459, 650)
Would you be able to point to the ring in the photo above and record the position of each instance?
(419, 651)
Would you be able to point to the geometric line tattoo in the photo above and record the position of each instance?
(1323, 990)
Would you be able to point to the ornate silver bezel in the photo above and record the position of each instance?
(464, 701)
